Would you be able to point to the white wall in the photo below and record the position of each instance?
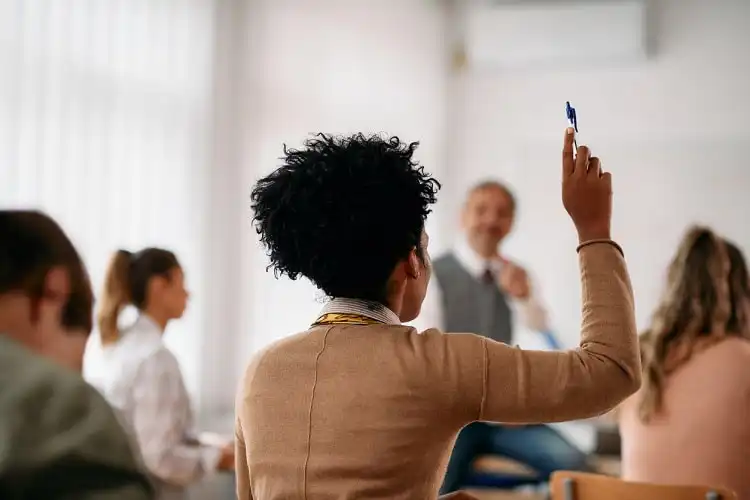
(336, 66)
(140, 136)
(226, 211)
(672, 130)
(105, 123)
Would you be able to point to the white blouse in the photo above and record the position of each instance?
(141, 379)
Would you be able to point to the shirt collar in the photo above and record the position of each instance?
(472, 262)
(145, 322)
(145, 328)
(367, 308)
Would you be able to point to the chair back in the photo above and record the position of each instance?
(566, 485)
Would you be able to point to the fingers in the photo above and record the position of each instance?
(595, 169)
(606, 179)
(582, 161)
(567, 156)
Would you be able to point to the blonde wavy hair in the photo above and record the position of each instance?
(706, 299)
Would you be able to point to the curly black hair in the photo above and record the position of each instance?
(343, 211)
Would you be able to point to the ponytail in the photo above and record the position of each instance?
(115, 296)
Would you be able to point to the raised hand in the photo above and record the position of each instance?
(586, 191)
(514, 281)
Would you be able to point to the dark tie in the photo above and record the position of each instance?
(487, 277)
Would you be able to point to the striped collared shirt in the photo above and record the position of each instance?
(367, 308)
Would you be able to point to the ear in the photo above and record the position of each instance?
(413, 265)
(157, 284)
(57, 284)
(55, 291)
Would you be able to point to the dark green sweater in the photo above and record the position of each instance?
(59, 439)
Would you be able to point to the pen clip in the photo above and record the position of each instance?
(570, 111)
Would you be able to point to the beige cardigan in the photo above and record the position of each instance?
(373, 411)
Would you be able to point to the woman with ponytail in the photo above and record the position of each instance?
(689, 422)
(141, 377)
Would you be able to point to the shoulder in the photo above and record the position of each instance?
(145, 368)
(725, 363)
(732, 351)
(161, 356)
(77, 402)
(37, 379)
(452, 344)
(280, 363)
(137, 346)
(77, 422)
(160, 361)
(739, 344)
(454, 367)
(278, 351)
(70, 404)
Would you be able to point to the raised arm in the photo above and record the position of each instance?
(537, 386)
(533, 386)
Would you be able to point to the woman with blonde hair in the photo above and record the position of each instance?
(141, 377)
(689, 422)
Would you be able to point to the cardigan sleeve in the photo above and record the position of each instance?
(537, 386)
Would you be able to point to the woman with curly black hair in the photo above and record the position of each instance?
(361, 406)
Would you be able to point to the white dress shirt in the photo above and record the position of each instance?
(529, 316)
(142, 380)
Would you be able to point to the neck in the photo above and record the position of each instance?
(158, 317)
(485, 253)
(395, 299)
(395, 307)
(14, 319)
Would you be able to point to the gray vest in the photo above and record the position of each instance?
(469, 305)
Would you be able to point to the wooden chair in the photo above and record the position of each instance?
(583, 486)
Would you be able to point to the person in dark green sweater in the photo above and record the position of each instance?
(59, 439)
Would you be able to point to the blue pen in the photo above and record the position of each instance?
(551, 340)
(570, 112)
